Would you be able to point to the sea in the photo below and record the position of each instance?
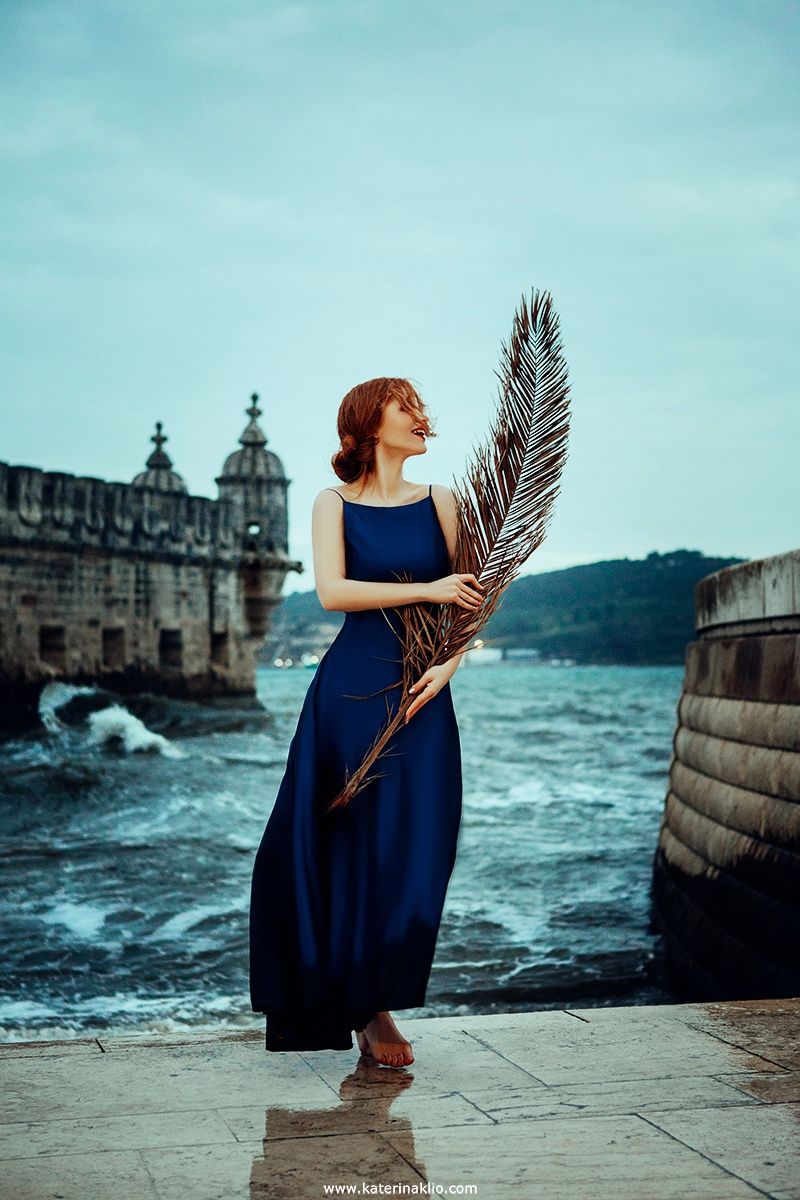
(128, 829)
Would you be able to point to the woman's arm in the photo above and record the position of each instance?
(445, 503)
(336, 592)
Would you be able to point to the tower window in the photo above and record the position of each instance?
(220, 646)
(170, 648)
(52, 645)
(114, 649)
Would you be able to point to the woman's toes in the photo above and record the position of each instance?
(399, 1056)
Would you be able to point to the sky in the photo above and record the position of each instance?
(202, 200)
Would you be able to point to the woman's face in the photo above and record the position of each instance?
(400, 419)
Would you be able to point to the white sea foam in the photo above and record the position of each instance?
(181, 922)
(54, 696)
(128, 1016)
(24, 1010)
(82, 920)
(116, 723)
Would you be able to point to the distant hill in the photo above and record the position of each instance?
(621, 610)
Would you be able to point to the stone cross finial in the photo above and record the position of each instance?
(159, 458)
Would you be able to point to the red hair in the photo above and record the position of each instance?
(359, 419)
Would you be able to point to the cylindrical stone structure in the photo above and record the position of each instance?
(726, 872)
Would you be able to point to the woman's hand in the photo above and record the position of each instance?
(463, 589)
(427, 687)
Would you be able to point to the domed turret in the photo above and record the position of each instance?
(252, 461)
(159, 473)
(253, 478)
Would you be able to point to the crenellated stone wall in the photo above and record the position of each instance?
(78, 510)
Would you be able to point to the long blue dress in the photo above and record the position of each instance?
(345, 907)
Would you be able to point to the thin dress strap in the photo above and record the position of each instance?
(341, 497)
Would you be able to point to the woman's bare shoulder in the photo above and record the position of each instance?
(442, 493)
(322, 497)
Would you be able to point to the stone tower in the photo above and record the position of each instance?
(254, 486)
(253, 481)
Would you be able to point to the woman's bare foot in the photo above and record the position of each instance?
(381, 1040)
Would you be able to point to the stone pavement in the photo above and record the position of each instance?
(667, 1102)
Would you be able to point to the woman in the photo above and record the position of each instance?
(345, 906)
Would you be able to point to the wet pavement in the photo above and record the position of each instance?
(662, 1102)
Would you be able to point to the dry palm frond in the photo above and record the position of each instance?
(503, 506)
